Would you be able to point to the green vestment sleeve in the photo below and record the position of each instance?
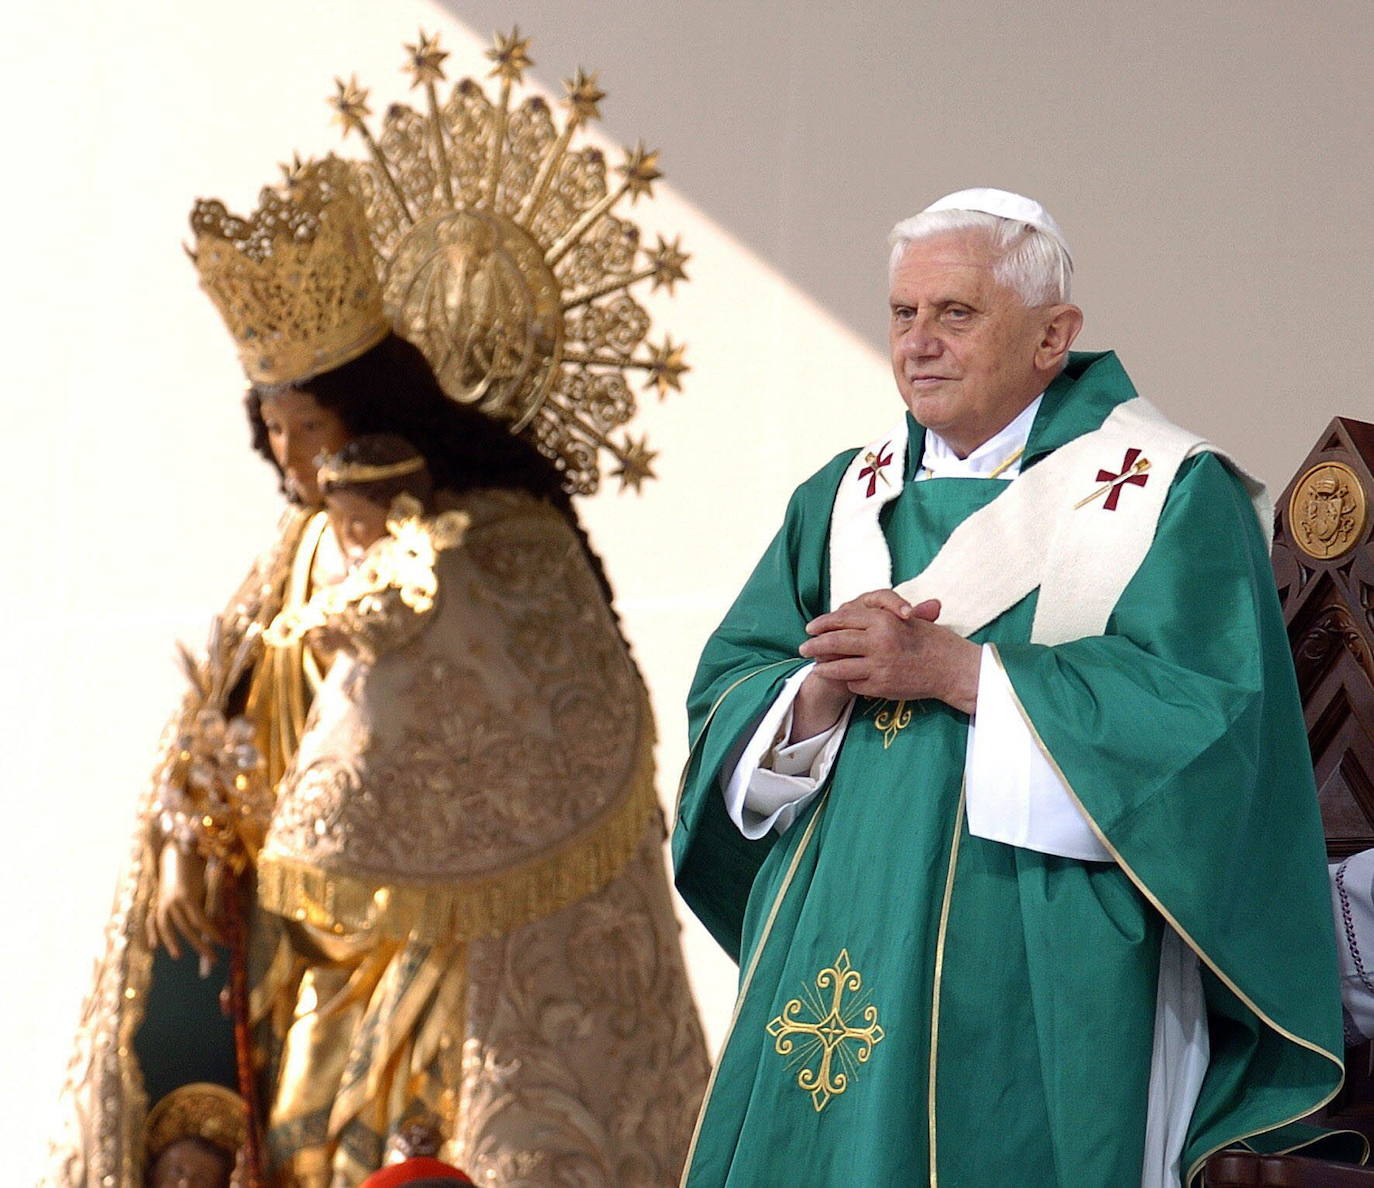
(745, 663)
(1180, 734)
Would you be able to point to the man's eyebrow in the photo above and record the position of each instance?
(938, 303)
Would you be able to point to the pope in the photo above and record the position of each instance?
(999, 787)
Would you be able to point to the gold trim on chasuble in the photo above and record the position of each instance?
(938, 977)
(1154, 902)
(748, 978)
(706, 725)
(830, 1031)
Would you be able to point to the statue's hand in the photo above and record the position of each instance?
(180, 908)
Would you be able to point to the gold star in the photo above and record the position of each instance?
(665, 367)
(583, 95)
(426, 63)
(636, 463)
(350, 106)
(667, 260)
(640, 170)
(511, 55)
(291, 172)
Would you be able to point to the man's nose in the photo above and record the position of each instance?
(920, 341)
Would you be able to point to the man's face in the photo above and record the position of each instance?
(963, 346)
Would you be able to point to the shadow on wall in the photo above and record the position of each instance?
(807, 129)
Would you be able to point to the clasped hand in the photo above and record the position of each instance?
(879, 645)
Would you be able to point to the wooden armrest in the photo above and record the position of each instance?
(1244, 1169)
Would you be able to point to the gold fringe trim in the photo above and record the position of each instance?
(468, 909)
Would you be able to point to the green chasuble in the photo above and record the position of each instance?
(920, 1004)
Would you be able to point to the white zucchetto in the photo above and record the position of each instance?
(1005, 205)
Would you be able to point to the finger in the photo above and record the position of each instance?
(193, 927)
(886, 600)
(202, 935)
(168, 934)
(929, 610)
(851, 668)
(872, 688)
(834, 644)
(200, 942)
(849, 617)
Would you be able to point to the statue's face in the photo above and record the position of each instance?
(963, 345)
(187, 1164)
(357, 522)
(299, 431)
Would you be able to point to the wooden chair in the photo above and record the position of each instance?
(1244, 1169)
(1324, 566)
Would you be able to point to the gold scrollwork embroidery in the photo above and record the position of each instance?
(892, 720)
(831, 1033)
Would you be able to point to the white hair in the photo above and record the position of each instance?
(1029, 262)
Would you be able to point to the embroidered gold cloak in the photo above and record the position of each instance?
(462, 898)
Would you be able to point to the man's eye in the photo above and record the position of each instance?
(957, 313)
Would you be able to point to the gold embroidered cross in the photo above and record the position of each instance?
(830, 1035)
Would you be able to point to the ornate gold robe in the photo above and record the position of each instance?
(463, 905)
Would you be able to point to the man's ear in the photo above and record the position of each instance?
(1061, 328)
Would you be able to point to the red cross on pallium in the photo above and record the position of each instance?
(1129, 474)
(874, 470)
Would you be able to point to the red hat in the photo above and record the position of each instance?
(411, 1171)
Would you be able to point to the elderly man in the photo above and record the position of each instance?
(999, 787)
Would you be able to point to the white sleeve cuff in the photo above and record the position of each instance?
(1014, 795)
(770, 786)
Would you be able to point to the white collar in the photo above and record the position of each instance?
(940, 460)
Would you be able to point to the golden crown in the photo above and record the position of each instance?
(296, 283)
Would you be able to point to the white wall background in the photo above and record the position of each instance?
(1210, 163)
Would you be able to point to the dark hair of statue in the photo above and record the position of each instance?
(392, 389)
(381, 449)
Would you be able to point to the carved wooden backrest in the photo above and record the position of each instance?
(1324, 565)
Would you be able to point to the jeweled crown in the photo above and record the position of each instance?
(296, 283)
